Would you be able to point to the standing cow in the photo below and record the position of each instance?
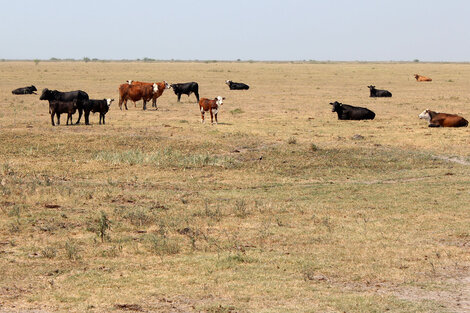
(101, 106)
(212, 106)
(187, 89)
(160, 88)
(78, 95)
(136, 92)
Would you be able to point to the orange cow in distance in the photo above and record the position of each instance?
(421, 78)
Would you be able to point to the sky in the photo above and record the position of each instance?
(335, 30)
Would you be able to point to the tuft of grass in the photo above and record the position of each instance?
(49, 252)
(237, 111)
(292, 140)
(162, 245)
(104, 224)
(72, 250)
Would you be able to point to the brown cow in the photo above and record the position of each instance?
(420, 78)
(136, 93)
(210, 105)
(437, 119)
(161, 88)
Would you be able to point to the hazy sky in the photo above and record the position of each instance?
(428, 30)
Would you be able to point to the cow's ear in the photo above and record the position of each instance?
(223, 98)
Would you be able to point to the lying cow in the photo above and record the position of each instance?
(349, 112)
(212, 106)
(420, 78)
(58, 107)
(161, 86)
(78, 95)
(186, 88)
(135, 93)
(25, 90)
(379, 92)
(436, 119)
(101, 106)
(236, 86)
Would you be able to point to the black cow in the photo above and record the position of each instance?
(349, 112)
(187, 89)
(79, 95)
(236, 86)
(378, 92)
(57, 107)
(25, 90)
(101, 106)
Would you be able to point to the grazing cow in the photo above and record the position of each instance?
(212, 106)
(101, 106)
(25, 90)
(236, 86)
(135, 93)
(187, 89)
(78, 95)
(349, 112)
(436, 119)
(379, 92)
(161, 88)
(57, 107)
(420, 78)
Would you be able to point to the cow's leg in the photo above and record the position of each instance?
(216, 122)
(120, 103)
(58, 118)
(155, 104)
(104, 115)
(125, 103)
(145, 105)
(197, 96)
(52, 118)
(202, 115)
(87, 117)
(434, 125)
(212, 117)
(179, 97)
(80, 112)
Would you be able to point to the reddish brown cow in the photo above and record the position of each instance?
(422, 78)
(161, 87)
(210, 105)
(437, 119)
(136, 93)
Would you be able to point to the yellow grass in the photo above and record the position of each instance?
(279, 208)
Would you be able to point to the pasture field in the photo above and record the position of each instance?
(279, 208)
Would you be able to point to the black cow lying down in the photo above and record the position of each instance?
(379, 92)
(101, 106)
(58, 107)
(186, 88)
(78, 95)
(25, 90)
(236, 86)
(349, 112)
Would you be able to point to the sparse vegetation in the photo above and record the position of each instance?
(281, 209)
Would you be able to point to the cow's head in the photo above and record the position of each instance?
(371, 87)
(228, 82)
(416, 76)
(336, 106)
(47, 94)
(425, 115)
(33, 88)
(129, 81)
(166, 85)
(109, 101)
(219, 100)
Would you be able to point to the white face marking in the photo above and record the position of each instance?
(425, 115)
(227, 82)
(109, 101)
(155, 87)
(129, 81)
(166, 85)
(219, 100)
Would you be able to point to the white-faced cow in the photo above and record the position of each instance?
(78, 95)
(437, 119)
(24, 90)
(379, 92)
(349, 112)
(236, 86)
(101, 106)
(187, 89)
(212, 106)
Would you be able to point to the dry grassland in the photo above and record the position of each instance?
(279, 208)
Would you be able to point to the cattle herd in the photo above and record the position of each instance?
(78, 100)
